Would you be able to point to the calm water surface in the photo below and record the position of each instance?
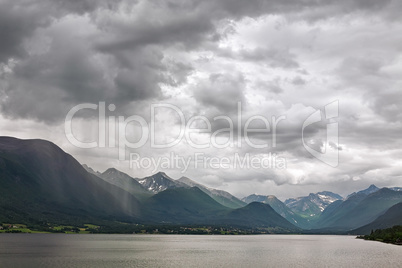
(59, 250)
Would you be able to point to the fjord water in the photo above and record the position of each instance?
(60, 250)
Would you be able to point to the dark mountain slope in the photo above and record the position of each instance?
(182, 206)
(193, 206)
(257, 214)
(41, 182)
(390, 218)
(338, 210)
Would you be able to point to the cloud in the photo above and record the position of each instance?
(18, 22)
(277, 58)
(229, 85)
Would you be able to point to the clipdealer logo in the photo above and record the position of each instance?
(112, 132)
(330, 151)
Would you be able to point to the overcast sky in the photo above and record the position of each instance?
(277, 58)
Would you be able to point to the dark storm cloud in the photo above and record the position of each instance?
(136, 36)
(18, 22)
(137, 84)
(82, 6)
(78, 68)
(180, 21)
(63, 75)
(67, 73)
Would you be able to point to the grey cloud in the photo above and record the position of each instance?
(179, 72)
(221, 91)
(361, 70)
(274, 58)
(381, 90)
(270, 86)
(252, 176)
(83, 6)
(298, 81)
(137, 84)
(388, 104)
(275, 89)
(192, 26)
(307, 10)
(375, 134)
(187, 30)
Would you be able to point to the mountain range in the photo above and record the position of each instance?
(280, 208)
(222, 197)
(41, 183)
(159, 182)
(371, 189)
(313, 205)
(358, 210)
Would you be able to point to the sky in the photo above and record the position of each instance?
(219, 82)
